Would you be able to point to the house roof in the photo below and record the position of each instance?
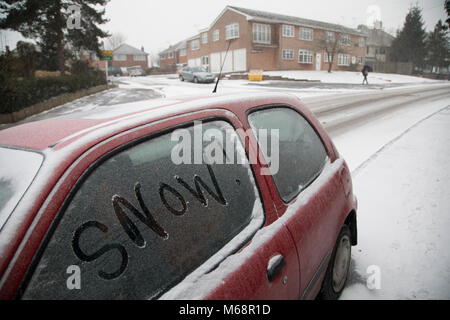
(263, 16)
(377, 37)
(178, 46)
(128, 50)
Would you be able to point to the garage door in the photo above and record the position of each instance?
(194, 62)
(214, 61)
(227, 60)
(240, 60)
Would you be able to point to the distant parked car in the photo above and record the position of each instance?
(115, 71)
(136, 71)
(196, 74)
(100, 197)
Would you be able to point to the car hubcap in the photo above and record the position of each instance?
(341, 264)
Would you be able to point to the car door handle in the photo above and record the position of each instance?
(275, 266)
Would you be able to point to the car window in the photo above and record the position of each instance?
(139, 223)
(302, 154)
(17, 170)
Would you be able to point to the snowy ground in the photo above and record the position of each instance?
(348, 77)
(404, 215)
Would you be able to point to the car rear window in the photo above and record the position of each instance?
(140, 223)
(17, 170)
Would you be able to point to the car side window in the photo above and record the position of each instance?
(302, 154)
(139, 223)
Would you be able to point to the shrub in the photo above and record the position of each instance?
(17, 94)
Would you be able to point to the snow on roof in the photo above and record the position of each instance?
(128, 50)
(279, 18)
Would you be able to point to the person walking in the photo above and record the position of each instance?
(365, 71)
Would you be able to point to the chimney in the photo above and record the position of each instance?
(142, 49)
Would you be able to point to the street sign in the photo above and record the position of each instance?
(106, 55)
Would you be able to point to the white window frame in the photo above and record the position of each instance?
(216, 35)
(196, 46)
(205, 59)
(262, 33)
(362, 42)
(139, 57)
(162, 57)
(205, 37)
(170, 55)
(183, 53)
(288, 54)
(345, 40)
(305, 56)
(306, 34)
(120, 57)
(288, 31)
(325, 57)
(360, 60)
(232, 31)
(343, 59)
(330, 36)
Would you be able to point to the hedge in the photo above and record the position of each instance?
(16, 95)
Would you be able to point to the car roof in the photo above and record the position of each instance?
(110, 120)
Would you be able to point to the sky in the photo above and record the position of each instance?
(157, 24)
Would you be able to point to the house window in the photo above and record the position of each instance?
(288, 31)
(162, 57)
(329, 36)
(120, 57)
(170, 55)
(288, 54)
(216, 35)
(353, 60)
(362, 42)
(305, 56)
(261, 33)
(205, 37)
(327, 58)
(205, 61)
(195, 45)
(345, 39)
(140, 57)
(232, 31)
(343, 59)
(183, 53)
(360, 60)
(306, 34)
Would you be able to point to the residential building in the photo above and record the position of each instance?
(123, 56)
(269, 41)
(378, 43)
(173, 56)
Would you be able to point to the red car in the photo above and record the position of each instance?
(92, 205)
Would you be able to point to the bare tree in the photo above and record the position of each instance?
(331, 43)
(115, 40)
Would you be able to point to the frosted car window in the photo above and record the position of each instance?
(17, 170)
(302, 153)
(139, 223)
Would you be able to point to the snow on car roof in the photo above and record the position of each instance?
(43, 134)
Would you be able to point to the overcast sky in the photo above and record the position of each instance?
(157, 24)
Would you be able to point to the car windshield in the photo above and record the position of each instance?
(198, 69)
(17, 171)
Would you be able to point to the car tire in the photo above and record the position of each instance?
(195, 80)
(338, 267)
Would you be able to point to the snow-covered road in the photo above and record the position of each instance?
(404, 216)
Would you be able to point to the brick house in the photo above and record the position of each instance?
(269, 41)
(174, 56)
(123, 56)
(378, 43)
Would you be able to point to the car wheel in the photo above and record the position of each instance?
(195, 80)
(181, 78)
(337, 272)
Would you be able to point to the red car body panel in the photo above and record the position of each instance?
(71, 146)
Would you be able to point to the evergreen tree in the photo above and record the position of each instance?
(49, 22)
(438, 46)
(409, 45)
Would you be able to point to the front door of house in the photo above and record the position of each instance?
(318, 61)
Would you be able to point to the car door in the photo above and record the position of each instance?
(139, 225)
(310, 197)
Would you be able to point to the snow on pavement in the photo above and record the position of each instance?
(404, 216)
